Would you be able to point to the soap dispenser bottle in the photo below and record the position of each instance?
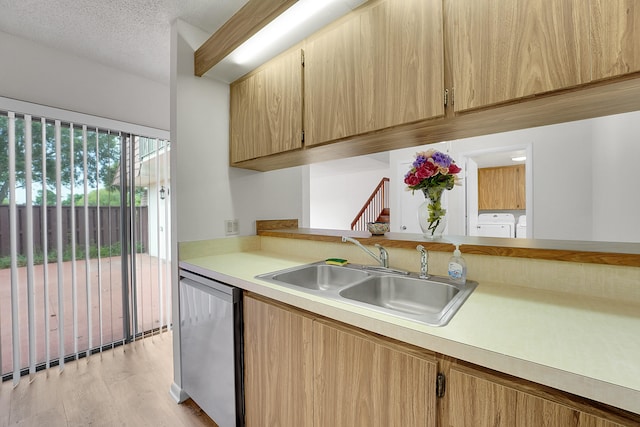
(457, 267)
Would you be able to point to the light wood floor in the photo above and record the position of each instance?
(127, 386)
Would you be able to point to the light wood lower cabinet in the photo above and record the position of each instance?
(302, 370)
(363, 381)
(278, 365)
(478, 399)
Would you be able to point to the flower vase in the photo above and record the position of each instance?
(431, 215)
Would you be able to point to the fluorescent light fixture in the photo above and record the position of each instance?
(519, 159)
(288, 21)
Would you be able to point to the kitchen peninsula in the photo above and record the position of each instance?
(540, 334)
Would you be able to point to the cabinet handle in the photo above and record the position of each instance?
(440, 385)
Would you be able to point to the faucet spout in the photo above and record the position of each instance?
(383, 259)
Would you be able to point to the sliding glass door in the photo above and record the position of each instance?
(152, 259)
(81, 267)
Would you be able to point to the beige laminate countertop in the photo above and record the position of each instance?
(583, 345)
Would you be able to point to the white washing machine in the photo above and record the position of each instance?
(496, 225)
(521, 227)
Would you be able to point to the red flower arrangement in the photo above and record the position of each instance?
(432, 172)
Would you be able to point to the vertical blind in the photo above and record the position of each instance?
(84, 240)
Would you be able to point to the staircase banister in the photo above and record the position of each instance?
(379, 188)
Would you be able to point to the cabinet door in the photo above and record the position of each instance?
(361, 382)
(266, 109)
(506, 50)
(243, 119)
(615, 35)
(521, 188)
(381, 66)
(477, 401)
(402, 58)
(587, 420)
(330, 72)
(278, 366)
(501, 188)
(535, 411)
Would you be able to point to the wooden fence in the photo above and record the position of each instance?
(109, 230)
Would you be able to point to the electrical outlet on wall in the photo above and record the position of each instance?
(230, 227)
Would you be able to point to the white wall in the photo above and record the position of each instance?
(207, 191)
(562, 181)
(336, 196)
(35, 73)
(561, 184)
(615, 173)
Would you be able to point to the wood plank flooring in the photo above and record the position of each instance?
(126, 386)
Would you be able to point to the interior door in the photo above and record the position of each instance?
(409, 202)
(471, 190)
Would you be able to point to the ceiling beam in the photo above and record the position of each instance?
(250, 19)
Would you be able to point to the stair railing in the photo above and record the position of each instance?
(373, 207)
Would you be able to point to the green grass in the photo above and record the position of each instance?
(38, 257)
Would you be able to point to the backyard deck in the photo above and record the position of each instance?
(105, 295)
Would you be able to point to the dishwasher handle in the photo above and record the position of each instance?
(220, 290)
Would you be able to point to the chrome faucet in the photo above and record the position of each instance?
(424, 266)
(383, 259)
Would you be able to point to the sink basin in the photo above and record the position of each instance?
(403, 294)
(431, 301)
(317, 276)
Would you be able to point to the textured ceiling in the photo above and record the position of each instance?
(131, 35)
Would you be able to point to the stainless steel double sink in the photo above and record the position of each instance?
(431, 301)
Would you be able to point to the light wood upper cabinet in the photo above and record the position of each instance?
(278, 366)
(402, 42)
(266, 109)
(379, 67)
(503, 51)
(502, 188)
(361, 381)
(376, 77)
(615, 37)
(331, 68)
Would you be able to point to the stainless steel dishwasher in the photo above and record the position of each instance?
(211, 347)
